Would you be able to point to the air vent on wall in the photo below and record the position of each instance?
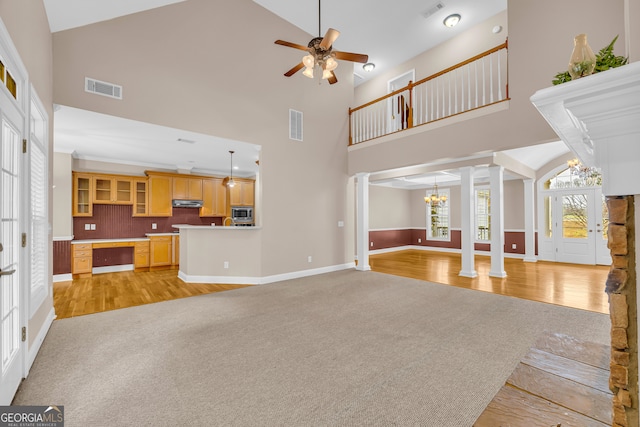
(433, 9)
(102, 88)
(295, 125)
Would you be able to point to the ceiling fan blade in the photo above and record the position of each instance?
(293, 45)
(329, 38)
(333, 79)
(354, 57)
(294, 70)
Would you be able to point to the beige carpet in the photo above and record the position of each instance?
(346, 348)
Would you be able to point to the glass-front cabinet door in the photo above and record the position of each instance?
(82, 194)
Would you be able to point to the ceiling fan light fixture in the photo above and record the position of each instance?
(368, 67)
(308, 72)
(326, 74)
(308, 61)
(452, 20)
(330, 64)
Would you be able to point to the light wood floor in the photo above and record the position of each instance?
(569, 285)
(110, 291)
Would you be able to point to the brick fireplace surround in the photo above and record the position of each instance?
(621, 287)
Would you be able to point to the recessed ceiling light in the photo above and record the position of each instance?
(369, 66)
(452, 20)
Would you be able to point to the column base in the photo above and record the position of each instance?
(471, 273)
(499, 274)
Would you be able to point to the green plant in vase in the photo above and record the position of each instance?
(605, 59)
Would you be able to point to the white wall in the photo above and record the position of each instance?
(62, 195)
(389, 207)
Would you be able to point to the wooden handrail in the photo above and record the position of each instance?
(431, 77)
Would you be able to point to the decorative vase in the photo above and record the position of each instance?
(583, 60)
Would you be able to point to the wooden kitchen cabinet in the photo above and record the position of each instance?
(160, 250)
(176, 249)
(242, 193)
(140, 197)
(160, 195)
(82, 194)
(141, 255)
(187, 188)
(112, 190)
(214, 198)
(81, 259)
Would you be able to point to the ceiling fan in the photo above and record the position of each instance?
(321, 54)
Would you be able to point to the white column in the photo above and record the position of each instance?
(362, 229)
(529, 222)
(496, 184)
(468, 214)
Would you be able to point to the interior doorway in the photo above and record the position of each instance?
(398, 104)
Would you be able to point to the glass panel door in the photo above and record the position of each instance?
(575, 241)
(10, 349)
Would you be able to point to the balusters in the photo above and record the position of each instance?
(444, 94)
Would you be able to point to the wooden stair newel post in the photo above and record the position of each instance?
(621, 287)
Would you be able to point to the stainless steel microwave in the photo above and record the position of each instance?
(242, 214)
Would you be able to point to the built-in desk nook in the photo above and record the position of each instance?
(156, 250)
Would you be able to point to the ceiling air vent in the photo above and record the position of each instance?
(102, 88)
(433, 9)
(295, 125)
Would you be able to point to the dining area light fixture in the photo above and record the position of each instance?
(369, 67)
(452, 20)
(231, 182)
(435, 199)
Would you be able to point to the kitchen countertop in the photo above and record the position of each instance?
(132, 239)
(161, 234)
(213, 227)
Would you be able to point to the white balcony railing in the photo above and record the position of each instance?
(475, 83)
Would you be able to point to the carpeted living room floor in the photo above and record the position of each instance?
(343, 348)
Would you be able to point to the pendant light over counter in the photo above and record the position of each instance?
(230, 181)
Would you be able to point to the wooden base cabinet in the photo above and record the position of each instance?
(141, 257)
(160, 250)
(81, 259)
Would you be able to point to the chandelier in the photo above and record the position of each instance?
(435, 199)
(585, 174)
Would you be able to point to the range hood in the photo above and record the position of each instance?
(183, 203)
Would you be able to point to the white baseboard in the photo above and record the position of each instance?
(37, 342)
(239, 280)
(112, 268)
(438, 249)
(305, 273)
(62, 277)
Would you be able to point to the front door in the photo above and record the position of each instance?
(11, 348)
(580, 227)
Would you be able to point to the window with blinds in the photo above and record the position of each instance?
(38, 237)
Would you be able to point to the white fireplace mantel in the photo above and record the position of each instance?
(598, 117)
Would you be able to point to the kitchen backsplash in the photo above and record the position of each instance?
(116, 222)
